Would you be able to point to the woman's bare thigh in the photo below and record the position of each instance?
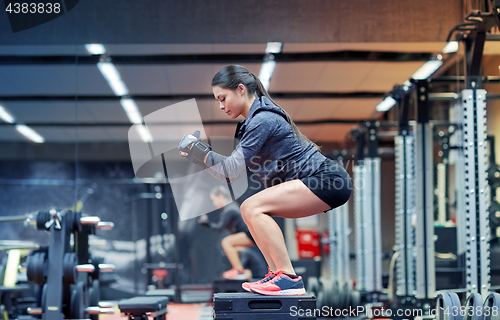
(291, 199)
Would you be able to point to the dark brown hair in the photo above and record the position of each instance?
(231, 76)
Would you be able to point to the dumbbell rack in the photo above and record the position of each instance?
(59, 299)
(92, 279)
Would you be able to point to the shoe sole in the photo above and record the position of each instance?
(288, 292)
(247, 289)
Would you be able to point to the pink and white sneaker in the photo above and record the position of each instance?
(246, 285)
(280, 285)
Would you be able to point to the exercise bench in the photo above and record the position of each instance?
(139, 308)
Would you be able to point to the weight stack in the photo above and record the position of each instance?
(251, 306)
(228, 286)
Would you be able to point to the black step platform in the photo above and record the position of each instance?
(141, 307)
(251, 306)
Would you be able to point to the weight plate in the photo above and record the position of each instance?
(457, 306)
(73, 221)
(38, 270)
(94, 297)
(340, 297)
(44, 297)
(77, 310)
(313, 286)
(345, 295)
(30, 263)
(355, 299)
(41, 218)
(326, 286)
(320, 300)
(3, 265)
(491, 307)
(70, 261)
(35, 268)
(94, 294)
(323, 284)
(335, 296)
(69, 220)
(42, 268)
(444, 306)
(473, 307)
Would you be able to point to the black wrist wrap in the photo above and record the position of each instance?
(199, 150)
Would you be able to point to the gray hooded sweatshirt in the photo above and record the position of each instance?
(268, 147)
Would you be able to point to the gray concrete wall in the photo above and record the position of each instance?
(223, 21)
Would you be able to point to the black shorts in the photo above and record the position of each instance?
(331, 183)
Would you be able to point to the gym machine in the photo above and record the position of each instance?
(158, 199)
(58, 298)
(16, 295)
(475, 223)
(66, 288)
(473, 230)
(367, 215)
(414, 247)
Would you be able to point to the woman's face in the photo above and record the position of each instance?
(218, 201)
(232, 102)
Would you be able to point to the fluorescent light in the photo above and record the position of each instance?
(95, 48)
(144, 133)
(116, 83)
(273, 47)
(112, 76)
(267, 68)
(132, 111)
(386, 104)
(427, 69)
(135, 116)
(6, 116)
(29, 133)
(266, 72)
(451, 47)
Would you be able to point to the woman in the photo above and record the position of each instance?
(239, 238)
(299, 180)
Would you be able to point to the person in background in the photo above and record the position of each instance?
(240, 236)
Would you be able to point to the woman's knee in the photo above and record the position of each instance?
(226, 242)
(248, 210)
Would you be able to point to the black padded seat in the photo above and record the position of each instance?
(136, 308)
